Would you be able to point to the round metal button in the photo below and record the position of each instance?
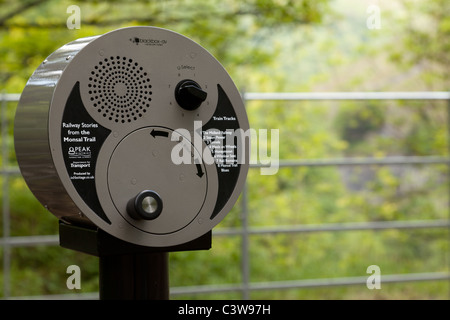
(146, 205)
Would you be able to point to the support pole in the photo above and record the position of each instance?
(142, 276)
(127, 271)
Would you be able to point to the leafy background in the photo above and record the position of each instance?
(279, 46)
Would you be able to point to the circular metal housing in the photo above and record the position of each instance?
(105, 136)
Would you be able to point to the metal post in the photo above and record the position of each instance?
(448, 167)
(245, 254)
(127, 271)
(143, 276)
(245, 262)
(5, 207)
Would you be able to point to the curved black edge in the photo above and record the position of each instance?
(227, 177)
(75, 113)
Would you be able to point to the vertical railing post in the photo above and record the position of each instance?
(5, 207)
(245, 254)
(448, 167)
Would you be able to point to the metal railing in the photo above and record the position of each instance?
(246, 231)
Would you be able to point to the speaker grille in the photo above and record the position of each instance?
(119, 89)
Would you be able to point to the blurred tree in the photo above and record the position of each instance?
(232, 30)
(425, 26)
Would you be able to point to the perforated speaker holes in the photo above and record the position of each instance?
(120, 89)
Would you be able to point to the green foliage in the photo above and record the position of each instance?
(355, 122)
(271, 46)
(231, 30)
(426, 30)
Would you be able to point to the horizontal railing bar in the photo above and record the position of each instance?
(379, 225)
(330, 282)
(350, 161)
(403, 95)
(177, 291)
(311, 283)
(8, 171)
(28, 241)
(63, 296)
(9, 97)
(354, 226)
(273, 285)
(386, 95)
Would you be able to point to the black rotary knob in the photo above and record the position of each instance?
(189, 94)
